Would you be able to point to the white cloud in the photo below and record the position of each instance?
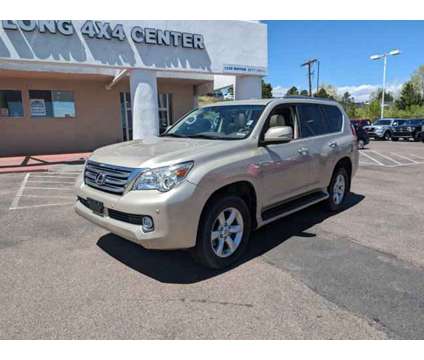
(279, 91)
(361, 93)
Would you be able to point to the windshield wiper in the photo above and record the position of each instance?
(203, 136)
(174, 135)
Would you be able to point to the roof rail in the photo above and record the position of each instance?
(307, 97)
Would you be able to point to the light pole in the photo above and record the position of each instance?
(384, 57)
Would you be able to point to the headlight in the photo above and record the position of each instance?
(163, 178)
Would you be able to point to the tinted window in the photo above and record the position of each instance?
(383, 122)
(11, 103)
(311, 120)
(334, 118)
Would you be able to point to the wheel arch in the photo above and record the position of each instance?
(244, 189)
(346, 163)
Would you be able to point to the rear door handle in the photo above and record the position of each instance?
(303, 151)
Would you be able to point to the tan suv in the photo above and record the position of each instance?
(220, 172)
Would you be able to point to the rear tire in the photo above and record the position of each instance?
(387, 136)
(223, 233)
(338, 189)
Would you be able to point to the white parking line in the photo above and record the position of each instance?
(386, 157)
(50, 182)
(41, 205)
(404, 157)
(48, 188)
(53, 176)
(21, 189)
(416, 156)
(372, 159)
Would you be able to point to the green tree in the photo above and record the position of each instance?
(409, 96)
(231, 90)
(266, 90)
(417, 79)
(304, 93)
(322, 93)
(388, 97)
(292, 91)
(349, 104)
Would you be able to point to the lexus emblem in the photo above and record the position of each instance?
(100, 178)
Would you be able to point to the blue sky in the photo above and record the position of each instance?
(343, 48)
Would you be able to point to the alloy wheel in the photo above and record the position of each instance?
(339, 189)
(227, 232)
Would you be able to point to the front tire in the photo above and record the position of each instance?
(338, 189)
(224, 231)
(387, 136)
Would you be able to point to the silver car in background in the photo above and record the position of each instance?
(382, 129)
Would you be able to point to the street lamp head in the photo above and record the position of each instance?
(376, 57)
(394, 52)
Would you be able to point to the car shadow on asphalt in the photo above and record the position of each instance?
(178, 267)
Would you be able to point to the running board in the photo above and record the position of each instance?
(294, 205)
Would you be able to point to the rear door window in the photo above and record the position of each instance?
(312, 122)
(333, 118)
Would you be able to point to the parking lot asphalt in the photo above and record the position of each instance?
(357, 274)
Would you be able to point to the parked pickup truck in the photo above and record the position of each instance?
(410, 129)
(220, 172)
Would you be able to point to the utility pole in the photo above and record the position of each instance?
(318, 63)
(309, 64)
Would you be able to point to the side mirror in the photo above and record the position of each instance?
(278, 134)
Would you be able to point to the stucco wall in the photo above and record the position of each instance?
(97, 122)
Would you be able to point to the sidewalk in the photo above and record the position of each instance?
(38, 163)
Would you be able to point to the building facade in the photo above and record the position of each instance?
(73, 86)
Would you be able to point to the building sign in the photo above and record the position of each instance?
(38, 107)
(244, 69)
(105, 31)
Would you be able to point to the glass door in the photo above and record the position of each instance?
(126, 116)
(165, 114)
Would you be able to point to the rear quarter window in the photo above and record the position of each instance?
(333, 118)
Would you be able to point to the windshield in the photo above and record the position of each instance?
(228, 122)
(399, 122)
(383, 122)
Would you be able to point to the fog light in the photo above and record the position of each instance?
(147, 224)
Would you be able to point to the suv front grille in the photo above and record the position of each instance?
(109, 178)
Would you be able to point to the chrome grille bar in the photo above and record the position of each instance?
(108, 178)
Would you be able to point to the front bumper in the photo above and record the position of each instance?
(403, 134)
(375, 135)
(175, 214)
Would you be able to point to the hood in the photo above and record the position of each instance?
(154, 152)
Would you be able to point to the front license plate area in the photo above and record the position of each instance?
(96, 206)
